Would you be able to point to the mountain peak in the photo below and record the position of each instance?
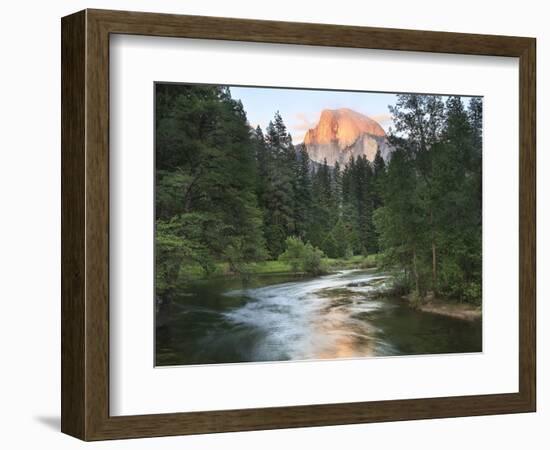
(342, 133)
(343, 126)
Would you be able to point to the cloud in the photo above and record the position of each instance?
(301, 124)
(382, 119)
(304, 121)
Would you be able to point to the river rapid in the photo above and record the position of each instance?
(280, 318)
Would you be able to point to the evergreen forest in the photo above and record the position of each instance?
(232, 200)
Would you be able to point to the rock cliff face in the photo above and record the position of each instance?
(342, 133)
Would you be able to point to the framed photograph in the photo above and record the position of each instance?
(270, 225)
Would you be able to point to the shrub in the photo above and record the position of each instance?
(312, 260)
(294, 253)
(302, 256)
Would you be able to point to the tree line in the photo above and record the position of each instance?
(329, 207)
(227, 193)
(430, 220)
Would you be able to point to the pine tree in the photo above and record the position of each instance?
(475, 116)
(350, 207)
(262, 164)
(281, 179)
(457, 195)
(421, 118)
(303, 194)
(400, 221)
(321, 198)
(364, 192)
(337, 187)
(378, 170)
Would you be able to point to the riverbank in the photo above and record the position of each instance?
(277, 267)
(447, 308)
(433, 305)
(457, 310)
(328, 265)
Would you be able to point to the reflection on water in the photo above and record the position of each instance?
(289, 318)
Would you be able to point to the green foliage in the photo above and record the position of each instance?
(178, 243)
(312, 260)
(228, 197)
(304, 257)
(279, 186)
(302, 193)
(206, 206)
(430, 222)
(294, 252)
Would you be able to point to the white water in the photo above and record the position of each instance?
(335, 316)
(311, 319)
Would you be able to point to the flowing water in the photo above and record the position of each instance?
(278, 318)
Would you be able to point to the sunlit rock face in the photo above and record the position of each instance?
(343, 133)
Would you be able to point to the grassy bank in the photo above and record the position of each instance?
(329, 265)
(355, 262)
(194, 272)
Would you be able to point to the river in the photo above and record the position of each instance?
(279, 318)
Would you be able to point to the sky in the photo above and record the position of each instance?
(301, 108)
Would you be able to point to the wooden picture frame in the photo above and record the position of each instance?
(85, 224)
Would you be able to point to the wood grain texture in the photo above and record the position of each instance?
(85, 224)
(73, 109)
(527, 223)
(201, 27)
